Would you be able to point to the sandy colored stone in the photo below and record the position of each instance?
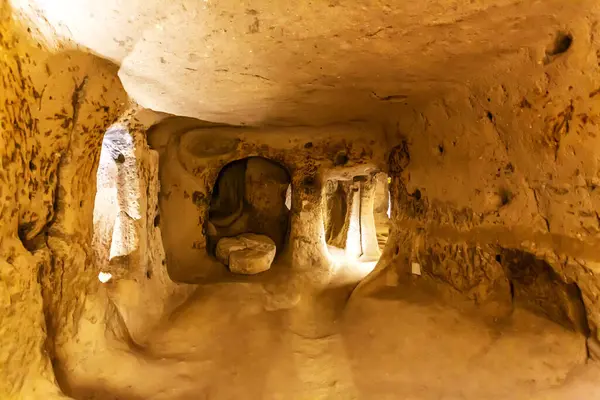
(484, 114)
(247, 254)
(250, 261)
(228, 245)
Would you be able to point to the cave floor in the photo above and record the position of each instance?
(237, 340)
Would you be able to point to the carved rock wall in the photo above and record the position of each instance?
(506, 164)
(192, 154)
(58, 102)
(56, 105)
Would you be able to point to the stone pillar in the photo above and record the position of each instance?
(353, 240)
(368, 231)
(126, 230)
(382, 195)
(307, 234)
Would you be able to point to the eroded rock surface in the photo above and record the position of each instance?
(484, 114)
(304, 157)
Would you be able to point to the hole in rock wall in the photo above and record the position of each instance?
(116, 207)
(249, 207)
(561, 44)
(356, 216)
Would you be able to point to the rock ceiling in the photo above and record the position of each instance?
(308, 62)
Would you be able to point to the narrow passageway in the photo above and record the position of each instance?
(340, 312)
(279, 200)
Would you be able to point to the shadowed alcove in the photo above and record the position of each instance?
(249, 197)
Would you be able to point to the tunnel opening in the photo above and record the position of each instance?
(249, 214)
(356, 216)
(117, 205)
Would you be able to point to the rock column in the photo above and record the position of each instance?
(368, 231)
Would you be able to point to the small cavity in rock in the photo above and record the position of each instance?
(562, 43)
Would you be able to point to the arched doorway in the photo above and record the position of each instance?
(356, 216)
(249, 198)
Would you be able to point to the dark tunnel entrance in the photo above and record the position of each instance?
(248, 213)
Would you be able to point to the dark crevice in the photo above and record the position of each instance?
(255, 76)
(506, 196)
(378, 31)
(500, 134)
(76, 99)
(390, 98)
(561, 44)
